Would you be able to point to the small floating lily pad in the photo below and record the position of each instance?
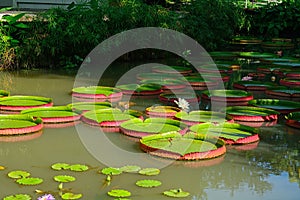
(60, 166)
(176, 193)
(148, 183)
(119, 193)
(18, 174)
(29, 181)
(18, 197)
(4, 93)
(64, 178)
(253, 85)
(70, 195)
(282, 106)
(171, 69)
(111, 171)
(78, 168)
(149, 171)
(130, 168)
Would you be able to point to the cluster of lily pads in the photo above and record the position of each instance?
(24, 178)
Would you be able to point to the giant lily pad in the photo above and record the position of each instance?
(119, 193)
(70, 195)
(97, 93)
(162, 111)
(78, 168)
(172, 69)
(56, 114)
(293, 119)
(200, 116)
(18, 103)
(150, 171)
(109, 117)
(140, 90)
(232, 133)
(18, 174)
(170, 98)
(139, 128)
(253, 85)
(19, 124)
(224, 55)
(87, 106)
(282, 106)
(290, 82)
(283, 92)
(190, 146)
(29, 181)
(147, 183)
(256, 55)
(157, 76)
(251, 113)
(176, 193)
(18, 197)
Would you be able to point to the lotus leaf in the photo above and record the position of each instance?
(64, 178)
(60, 166)
(111, 171)
(70, 195)
(18, 174)
(24, 101)
(18, 197)
(149, 171)
(119, 193)
(148, 183)
(78, 168)
(96, 90)
(130, 168)
(48, 112)
(29, 181)
(176, 193)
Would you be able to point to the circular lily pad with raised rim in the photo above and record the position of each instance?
(139, 128)
(162, 111)
(200, 116)
(157, 76)
(177, 193)
(109, 117)
(269, 69)
(4, 93)
(218, 68)
(29, 181)
(231, 133)
(19, 124)
(140, 90)
(256, 55)
(293, 119)
(172, 69)
(253, 85)
(251, 114)
(290, 82)
(55, 114)
(19, 103)
(282, 106)
(198, 83)
(167, 84)
(213, 76)
(232, 97)
(87, 106)
(190, 146)
(97, 93)
(169, 98)
(283, 92)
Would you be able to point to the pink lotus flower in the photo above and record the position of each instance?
(46, 197)
(247, 78)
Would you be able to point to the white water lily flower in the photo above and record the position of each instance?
(183, 104)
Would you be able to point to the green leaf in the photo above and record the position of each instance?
(78, 168)
(148, 183)
(149, 171)
(21, 25)
(60, 166)
(18, 197)
(119, 193)
(64, 178)
(29, 181)
(18, 174)
(70, 195)
(176, 193)
(111, 171)
(130, 168)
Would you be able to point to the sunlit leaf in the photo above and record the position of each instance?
(78, 168)
(176, 193)
(70, 195)
(60, 166)
(149, 171)
(2, 167)
(18, 174)
(119, 193)
(111, 171)
(64, 178)
(18, 197)
(130, 168)
(148, 183)
(29, 181)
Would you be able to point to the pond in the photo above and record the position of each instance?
(269, 169)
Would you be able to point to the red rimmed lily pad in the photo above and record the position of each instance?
(55, 114)
(231, 133)
(19, 103)
(218, 68)
(167, 84)
(139, 128)
(172, 69)
(290, 82)
(251, 114)
(232, 97)
(293, 119)
(256, 55)
(162, 111)
(270, 69)
(283, 92)
(198, 83)
(109, 117)
(282, 106)
(97, 93)
(222, 55)
(140, 90)
(157, 76)
(87, 106)
(21, 138)
(170, 98)
(200, 116)
(4, 93)
(253, 85)
(190, 146)
(19, 124)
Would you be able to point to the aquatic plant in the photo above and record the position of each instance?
(46, 197)
(176, 193)
(147, 183)
(18, 197)
(64, 178)
(29, 181)
(119, 193)
(149, 171)
(183, 104)
(70, 195)
(130, 168)
(111, 171)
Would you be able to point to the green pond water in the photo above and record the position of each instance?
(267, 170)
